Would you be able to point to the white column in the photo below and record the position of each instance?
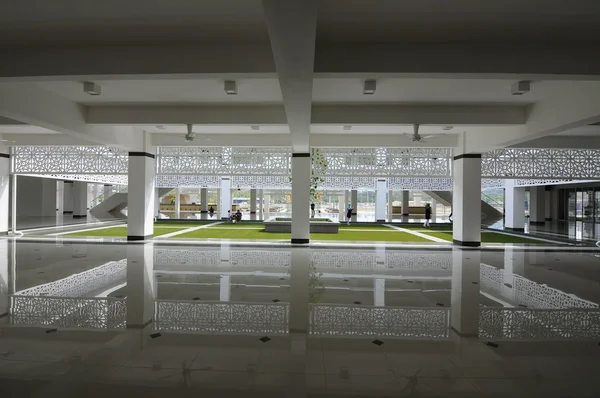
(68, 197)
(301, 169)
(514, 206)
(261, 204)
(380, 199)
(156, 202)
(549, 204)
(418, 198)
(4, 279)
(140, 196)
(267, 205)
(342, 207)
(253, 201)
(204, 200)
(466, 200)
(80, 199)
(537, 205)
(390, 210)
(225, 288)
(218, 210)
(177, 203)
(379, 292)
(4, 190)
(225, 203)
(405, 204)
(95, 194)
(60, 193)
(354, 199)
(464, 297)
(433, 210)
(141, 285)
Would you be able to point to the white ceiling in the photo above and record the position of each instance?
(585, 131)
(25, 129)
(204, 129)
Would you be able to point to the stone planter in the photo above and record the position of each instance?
(322, 226)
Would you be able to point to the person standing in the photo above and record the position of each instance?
(349, 213)
(427, 214)
(312, 210)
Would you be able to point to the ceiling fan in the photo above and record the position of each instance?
(416, 137)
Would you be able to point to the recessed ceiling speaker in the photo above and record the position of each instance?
(230, 87)
(92, 88)
(347, 128)
(255, 128)
(520, 88)
(369, 87)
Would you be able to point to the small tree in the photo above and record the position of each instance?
(318, 167)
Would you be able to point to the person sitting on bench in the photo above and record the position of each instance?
(237, 217)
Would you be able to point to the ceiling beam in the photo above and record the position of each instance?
(292, 27)
(561, 142)
(225, 140)
(44, 140)
(381, 114)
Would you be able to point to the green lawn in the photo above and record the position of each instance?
(121, 232)
(364, 226)
(182, 224)
(421, 227)
(392, 236)
(489, 237)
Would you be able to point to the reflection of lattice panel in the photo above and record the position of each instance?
(408, 260)
(428, 184)
(342, 259)
(536, 295)
(538, 324)
(391, 259)
(491, 278)
(167, 257)
(70, 160)
(233, 318)
(83, 283)
(347, 321)
(261, 258)
(69, 312)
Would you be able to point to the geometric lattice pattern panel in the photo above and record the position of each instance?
(98, 278)
(261, 181)
(387, 162)
(187, 181)
(112, 179)
(223, 161)
(575, 164)
(347, 183)
(224, 318)
(69, 312)
(538, 324)
(532, 294)
(100, 160)
(492, 183)
(348, 321)
(491, 278)
(429, 184)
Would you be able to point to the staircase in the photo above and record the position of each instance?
(113, 206)
(488, 212)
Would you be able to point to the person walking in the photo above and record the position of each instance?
(211, 212)
(427, 214)
(312, 210)
(349, 213)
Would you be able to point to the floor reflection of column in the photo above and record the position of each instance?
(464, 318)
(4, 278)
(225, 253)
(379, 290)
(299, 290)
(225, 288)
(141, 285)
(514, 264)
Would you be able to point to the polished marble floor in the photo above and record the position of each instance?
(112, 319)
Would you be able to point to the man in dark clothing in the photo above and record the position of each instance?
(427, 214)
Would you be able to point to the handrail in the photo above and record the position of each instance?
(490, 201)
(114, 189)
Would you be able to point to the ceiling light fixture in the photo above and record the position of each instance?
(255, 128)
(520, 88)
(369, 87)
(160, 127)
(347, 128)
(92, 88)
(446, 128)
(230, 87)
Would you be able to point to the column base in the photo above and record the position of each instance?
(137, 237)
(300, 241)
(252, 212)
(405, 215)
(203, 211)
(67, 212)
(382, 220)
(514, 229)
(537, 222)
(466, 244)
(548, 218)
(80, 216)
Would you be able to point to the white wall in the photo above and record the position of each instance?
(36, 197)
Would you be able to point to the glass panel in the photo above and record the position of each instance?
(597, 193)
(587, 205)
(572, 204)
(579, 205)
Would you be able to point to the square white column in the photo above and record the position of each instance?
(60, 192)
(204, 200)
(261, 204)
(342, 207)
(301, 170)
(354, 200)
(514, 206)
(548, 204)
(80, 199)
(267, 206)
(537, 205)
(4, 190)
(433, 210)
(253, 201)
(68, 197)
(405, 204)
(225, 203)
(177, 203)
(140, 196)
(390, 208)
(107, 193)
(380, 200)
(466, 200)
(156, 202)
(141, 285)
(464, 297)
(5, 278)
